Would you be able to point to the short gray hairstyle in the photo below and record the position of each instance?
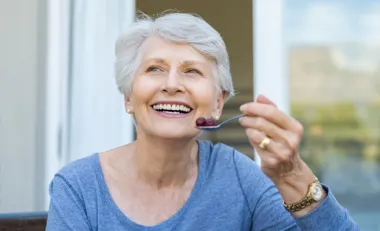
(175, 27)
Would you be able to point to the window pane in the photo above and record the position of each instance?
(334, 71)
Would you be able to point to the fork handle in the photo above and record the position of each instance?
(233, 118)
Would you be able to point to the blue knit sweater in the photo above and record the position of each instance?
(231, 194)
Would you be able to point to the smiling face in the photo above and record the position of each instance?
(174, 85)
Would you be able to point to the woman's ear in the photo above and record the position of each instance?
(221, 99)
(128, 104)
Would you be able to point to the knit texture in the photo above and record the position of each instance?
(231, 193)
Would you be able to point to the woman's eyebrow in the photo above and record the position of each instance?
(156, 60)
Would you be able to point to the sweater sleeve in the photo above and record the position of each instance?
(268, 213)
(329, 215)
(66, 209)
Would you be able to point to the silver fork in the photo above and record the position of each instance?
(217, 127)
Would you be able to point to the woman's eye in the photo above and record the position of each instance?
(153, 69)
(193, 71)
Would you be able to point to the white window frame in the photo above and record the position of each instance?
(56, 88)
(57, 132)
(270, 60)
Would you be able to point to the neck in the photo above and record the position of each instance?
(165, 162)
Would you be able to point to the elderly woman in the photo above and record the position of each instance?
(173, 70)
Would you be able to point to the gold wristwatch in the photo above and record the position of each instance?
(314, 194)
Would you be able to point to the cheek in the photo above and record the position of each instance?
(205, 95)
(143, 90)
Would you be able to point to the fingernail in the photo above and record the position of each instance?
(260, 96)
(243, 107)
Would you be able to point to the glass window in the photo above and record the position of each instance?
(333, 55)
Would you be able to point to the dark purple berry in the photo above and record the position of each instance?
(210, 122)
(200, 122)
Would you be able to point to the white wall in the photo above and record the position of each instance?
(21, 73)
(35, 78)
(98, 121)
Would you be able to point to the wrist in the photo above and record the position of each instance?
(310, 207)
(294, 185)
(314, 196)
(301, 190)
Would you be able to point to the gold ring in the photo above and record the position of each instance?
(264, 144)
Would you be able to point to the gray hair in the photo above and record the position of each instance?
(175, 27)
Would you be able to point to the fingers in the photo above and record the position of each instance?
(256, 137)
(275, 152)
(262, 119)
(289, 138)
(264, 116)
(263, 125)
(269, 112)
(263, 99)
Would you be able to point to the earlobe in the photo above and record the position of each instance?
(128, 104)
(130, 111)
(215, 117)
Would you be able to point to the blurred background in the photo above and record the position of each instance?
(319, 60)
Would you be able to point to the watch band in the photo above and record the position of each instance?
(304, 202)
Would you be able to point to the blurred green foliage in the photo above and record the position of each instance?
(340, 129)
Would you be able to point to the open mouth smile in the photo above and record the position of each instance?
(172, 108)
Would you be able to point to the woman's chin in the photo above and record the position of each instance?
(175, 134)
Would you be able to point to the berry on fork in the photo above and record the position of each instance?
(201, 121)
(210, 122)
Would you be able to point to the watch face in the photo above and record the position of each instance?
(317, 192)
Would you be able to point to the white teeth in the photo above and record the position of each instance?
(172, 108)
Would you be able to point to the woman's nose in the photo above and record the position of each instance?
(173, 83)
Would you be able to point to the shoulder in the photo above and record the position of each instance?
(77, 175)
(73, 194)
(79, 168)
